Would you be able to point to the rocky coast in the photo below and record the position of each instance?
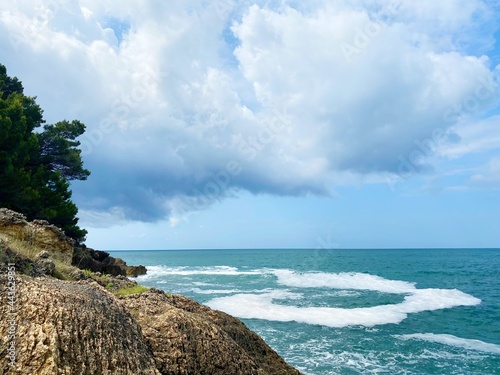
(75, 310)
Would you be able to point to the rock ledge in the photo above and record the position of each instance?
(80, 327)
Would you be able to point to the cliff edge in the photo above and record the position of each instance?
(90, 323)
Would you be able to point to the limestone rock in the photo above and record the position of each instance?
(111, 283)
(45, 266)
(77, 274)
(72, 328)
(24, 265)
(100, 261)
(190, 339)
(134, 271)
(79, 327)
(64, 327)
(38, 234)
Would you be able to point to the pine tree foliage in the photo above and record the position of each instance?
(36, 167)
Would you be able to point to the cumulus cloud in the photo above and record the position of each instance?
(187, 102)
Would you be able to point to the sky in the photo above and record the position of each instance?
(272, 124)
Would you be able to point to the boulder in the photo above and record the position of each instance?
(100, 261)
(45, 266)
(190, 339)
(71, 328)
(134, 271)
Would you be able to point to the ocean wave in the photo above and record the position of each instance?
(354, 280)
(262, 305)
(459, 342)
(155, 272)
(344, 282)
(214, 291)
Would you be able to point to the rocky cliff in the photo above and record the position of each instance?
(83, 324)
(36, 236)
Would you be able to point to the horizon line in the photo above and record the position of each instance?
(315, 249)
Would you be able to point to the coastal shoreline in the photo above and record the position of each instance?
(56, 317)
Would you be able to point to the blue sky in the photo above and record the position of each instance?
(235, 124)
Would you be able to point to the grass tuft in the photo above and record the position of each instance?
(63, 270)
(27, 250)
(94, 275)
(136, 289)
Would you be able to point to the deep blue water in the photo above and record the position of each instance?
(432, 311)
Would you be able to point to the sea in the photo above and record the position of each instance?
(373, 311)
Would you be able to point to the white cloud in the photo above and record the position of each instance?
(475, 137)
(309, 96)
(361, 110)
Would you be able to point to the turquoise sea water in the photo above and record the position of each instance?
(432, 311)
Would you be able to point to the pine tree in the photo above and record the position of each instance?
(35, 168)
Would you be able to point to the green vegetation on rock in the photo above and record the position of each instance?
(136, 289)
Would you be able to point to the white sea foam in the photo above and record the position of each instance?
(356, 281)
(344, 293)
(309, 353)
(214, 291)
(455, 341)
(154, 272)
(261, 305)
